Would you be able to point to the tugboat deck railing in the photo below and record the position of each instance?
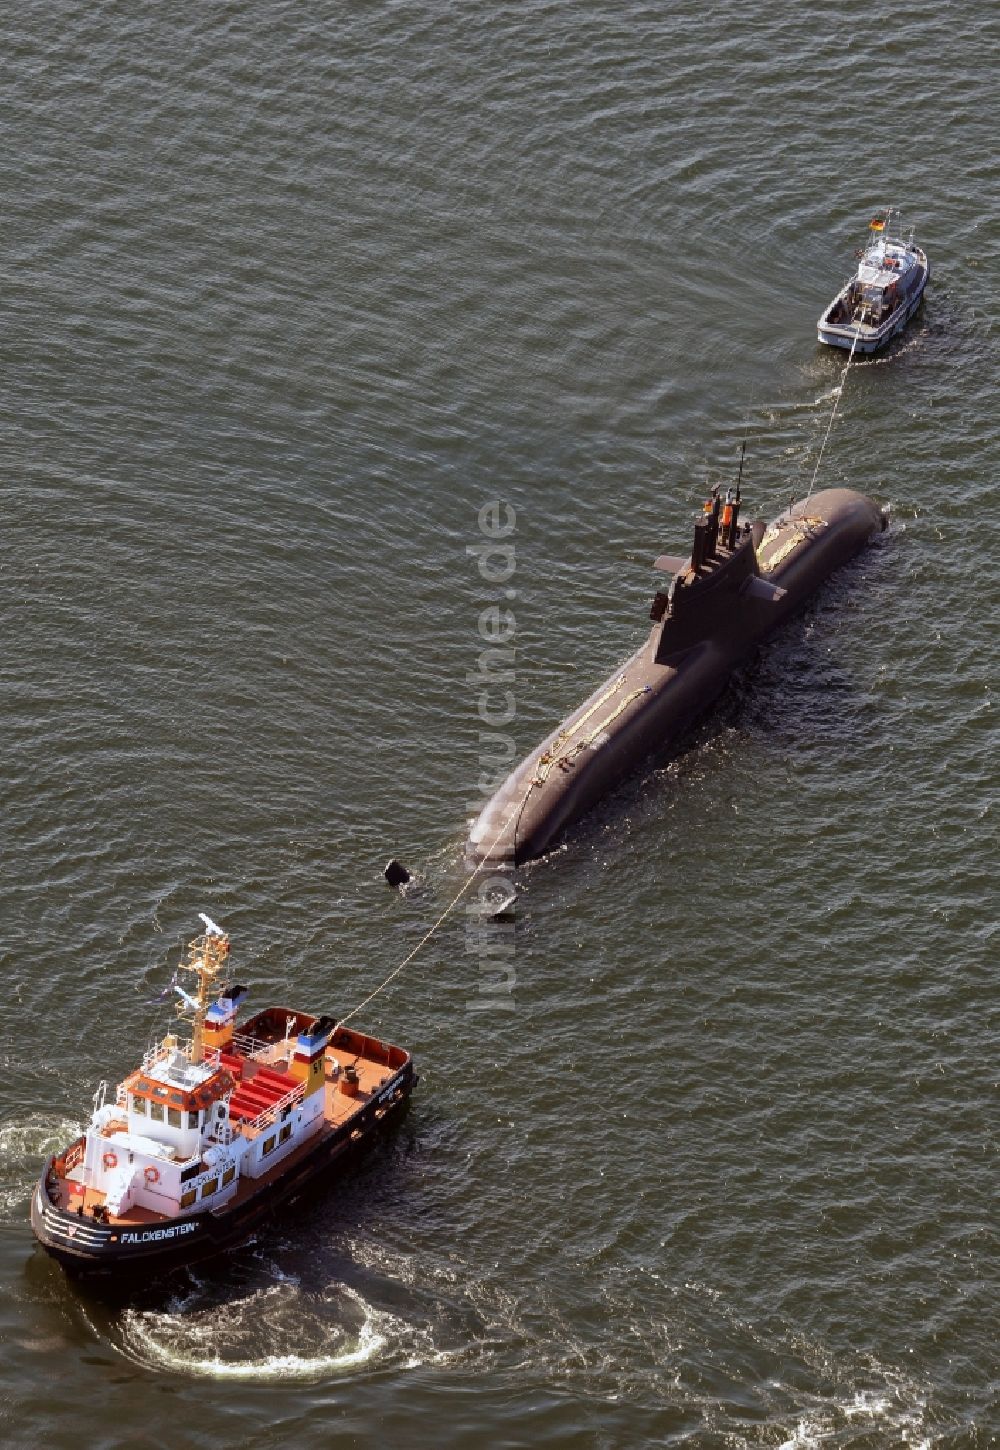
(254, 1048)
(273, 1111)
(160, 1052)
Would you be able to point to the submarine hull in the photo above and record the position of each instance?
(684, 665)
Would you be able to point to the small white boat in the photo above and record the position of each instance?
(882, 296)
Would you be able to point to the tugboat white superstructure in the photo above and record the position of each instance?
(883, 295)
(208, 1135)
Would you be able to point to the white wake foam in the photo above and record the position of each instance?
(24, 1146)
(260, 1336)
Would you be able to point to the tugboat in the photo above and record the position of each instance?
(209, 1135)
(740, 581)
(882, 296)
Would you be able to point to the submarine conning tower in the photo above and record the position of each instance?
(722, 570)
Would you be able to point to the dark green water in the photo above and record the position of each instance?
(289, 294)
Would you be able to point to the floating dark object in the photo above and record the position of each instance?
(740, 581)
(501, 906)
(396, 873)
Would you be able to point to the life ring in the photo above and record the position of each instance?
(110, 1160)
(152, 1175)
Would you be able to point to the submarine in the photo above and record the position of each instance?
(740, 582)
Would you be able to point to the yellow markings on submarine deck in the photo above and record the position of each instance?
(795, 531)
(554, 754)
(565, 758)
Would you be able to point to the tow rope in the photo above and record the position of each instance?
(439, 922)
(836, 404)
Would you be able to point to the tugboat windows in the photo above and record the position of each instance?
(160, 1113)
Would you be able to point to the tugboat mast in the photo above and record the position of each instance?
(206, 958)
